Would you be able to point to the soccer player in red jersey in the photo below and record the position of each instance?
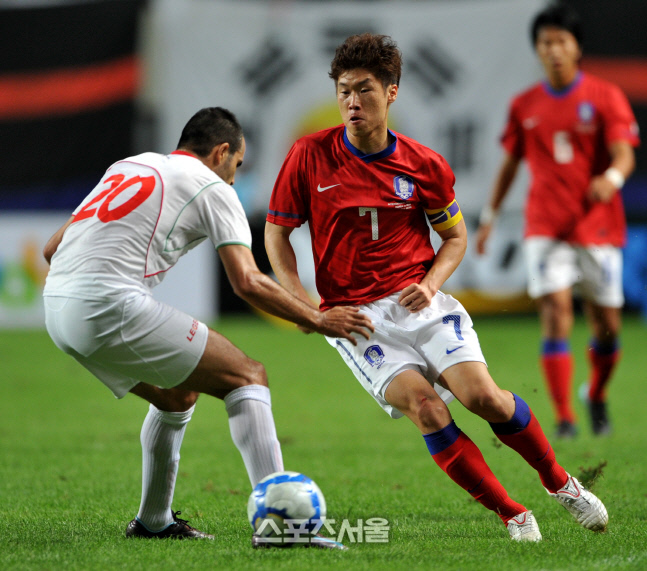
(576, 133)
(369, 196)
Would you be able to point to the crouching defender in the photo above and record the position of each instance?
(144, 214)
(367, 194)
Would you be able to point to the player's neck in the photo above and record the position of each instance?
(370, 143)
(561, 80)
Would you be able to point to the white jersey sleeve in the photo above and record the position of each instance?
(223, 217)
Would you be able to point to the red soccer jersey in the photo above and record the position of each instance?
(564, 137)
(366, 213)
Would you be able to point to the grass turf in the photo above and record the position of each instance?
(70, 464)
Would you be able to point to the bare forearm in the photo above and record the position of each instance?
(503, 182)
(264, 293)
(623, 158)
(284, 263)
(447, 259)
(603, 187)
(288, 277)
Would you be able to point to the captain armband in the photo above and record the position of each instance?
(444, 218)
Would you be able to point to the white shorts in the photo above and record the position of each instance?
(127, 341)
(595, 271)
(429, 342)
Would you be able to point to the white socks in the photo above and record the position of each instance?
(161, 438)
(252, 429)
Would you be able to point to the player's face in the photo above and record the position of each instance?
(364, 102)
(226, 170)
(559, 54)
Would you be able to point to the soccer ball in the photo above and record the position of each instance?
(285, 496)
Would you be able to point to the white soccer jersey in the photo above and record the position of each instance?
(146, 213)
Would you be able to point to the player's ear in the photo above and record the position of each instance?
(219, 153)
(392, 93)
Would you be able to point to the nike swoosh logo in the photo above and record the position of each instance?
(530, 122)
(322, 188)
(457, 348)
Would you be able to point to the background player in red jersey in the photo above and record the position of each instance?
(577, 134)
(368, 194)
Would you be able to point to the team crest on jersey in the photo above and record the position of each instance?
(585, 111)
(403, 186)
(374, 355)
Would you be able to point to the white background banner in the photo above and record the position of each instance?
(268, 62)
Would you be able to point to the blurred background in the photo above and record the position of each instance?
(84, 83)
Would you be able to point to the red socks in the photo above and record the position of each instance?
(603, 360)
(533, 446)
(463, 462)
(557, 364)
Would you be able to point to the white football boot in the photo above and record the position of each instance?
(584, 506)
(523, 527)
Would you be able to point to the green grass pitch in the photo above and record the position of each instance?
(70, 464)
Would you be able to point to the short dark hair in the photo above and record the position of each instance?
(210, 127)
(559, 16)
(376, 53)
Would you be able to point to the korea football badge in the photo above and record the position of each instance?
(585, 112)
(403, 186)
(374, 355)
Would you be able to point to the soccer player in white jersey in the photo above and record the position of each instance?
(146, 212)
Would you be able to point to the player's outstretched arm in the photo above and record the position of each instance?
(256, 288)
(52, 244)
(502, 183)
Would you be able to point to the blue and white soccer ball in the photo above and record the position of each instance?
(285, 496)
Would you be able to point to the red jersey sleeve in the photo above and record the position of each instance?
(438, 198)
(619, 120)
(287, 204)
(437, 191)
(512, 137)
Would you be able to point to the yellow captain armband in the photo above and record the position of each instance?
(444, 218)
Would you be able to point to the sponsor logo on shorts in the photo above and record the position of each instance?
(193, 330)
(374, 355)
(450, 351)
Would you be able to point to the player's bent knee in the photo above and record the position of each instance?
(184, 400)
(168, 400)
(492, 403)
(175, 400)
(431, 413)
(254, 374)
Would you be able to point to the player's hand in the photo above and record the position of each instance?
(343, 322)
(482, 236)
(601, 189)
(416, 297)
